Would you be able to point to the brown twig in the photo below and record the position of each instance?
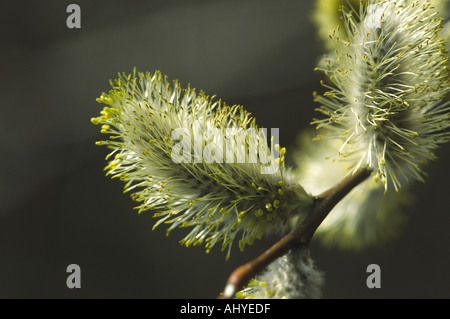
(302, 235)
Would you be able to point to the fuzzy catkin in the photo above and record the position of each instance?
(327, 17)
(388, 97)
(366, 216)
(168, 147)
(291, 276)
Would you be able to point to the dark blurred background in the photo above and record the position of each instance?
(57, 207)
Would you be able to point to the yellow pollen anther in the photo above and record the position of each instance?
(276, 203)
(259, 213)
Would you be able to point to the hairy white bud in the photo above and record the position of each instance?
(291, 276)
